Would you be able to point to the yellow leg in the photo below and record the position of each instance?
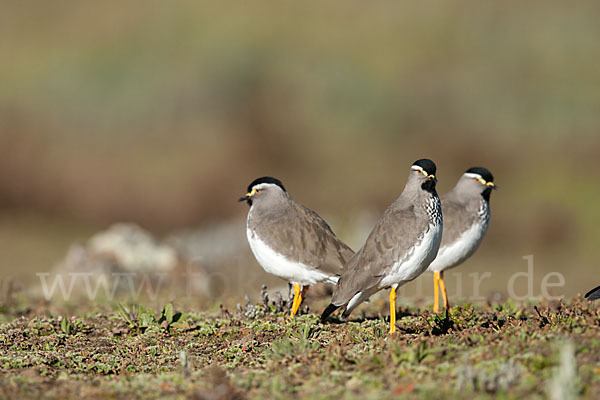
(443, 288)
(300, 298)
(297, 299)
(393, 310)
(436, 293)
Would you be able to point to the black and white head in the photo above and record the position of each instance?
(422, 173)
(263, 188)
(477, 181)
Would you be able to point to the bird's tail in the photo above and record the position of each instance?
(330, 308)
(593, 294)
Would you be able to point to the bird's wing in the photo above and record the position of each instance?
(322, 248)
(456, 220)
(304, 237)
(390, 240)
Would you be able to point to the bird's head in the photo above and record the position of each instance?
(478, 180)
(262, 188)
(423, 172)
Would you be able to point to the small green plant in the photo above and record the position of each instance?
(137, 317)
(307, 332)
(65, 325)
(70, 326)
(440, 325)
(380, 329)
(168, 317)
(412, 356)
(300, 345)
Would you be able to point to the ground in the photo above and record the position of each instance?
(256, 351)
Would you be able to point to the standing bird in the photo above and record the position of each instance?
(399, 248)
(291, 241)
(466, 210)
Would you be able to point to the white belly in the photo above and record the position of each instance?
(454, 254)
(278, 265)
(416, 261)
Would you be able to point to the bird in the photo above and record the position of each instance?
(291, 241)
(398, 249)
(593, 294)
(466, 210)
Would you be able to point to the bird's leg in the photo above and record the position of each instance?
(302, 295)
(290, 297)
(436, 292)
(297, 299)
(443, 289)
(393, 310)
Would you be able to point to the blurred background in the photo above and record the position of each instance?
(160, 115)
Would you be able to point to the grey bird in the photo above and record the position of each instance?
(291, 241)
(466, 210)
(399, 248)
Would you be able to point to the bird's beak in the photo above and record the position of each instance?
(492, 185)
(248, 195)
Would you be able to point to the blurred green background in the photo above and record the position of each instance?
(161, 114)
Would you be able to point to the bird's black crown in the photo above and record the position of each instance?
(427, 165)
(266, 179)
(485, 174)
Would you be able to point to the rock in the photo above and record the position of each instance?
(133, 249)
(121, 248)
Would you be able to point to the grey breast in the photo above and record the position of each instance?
(300, 235)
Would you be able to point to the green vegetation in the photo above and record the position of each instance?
(504, 351)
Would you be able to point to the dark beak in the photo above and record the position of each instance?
(247, 198)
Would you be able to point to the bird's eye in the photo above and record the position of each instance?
(258, 190)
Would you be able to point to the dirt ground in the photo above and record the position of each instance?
(256, 351)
